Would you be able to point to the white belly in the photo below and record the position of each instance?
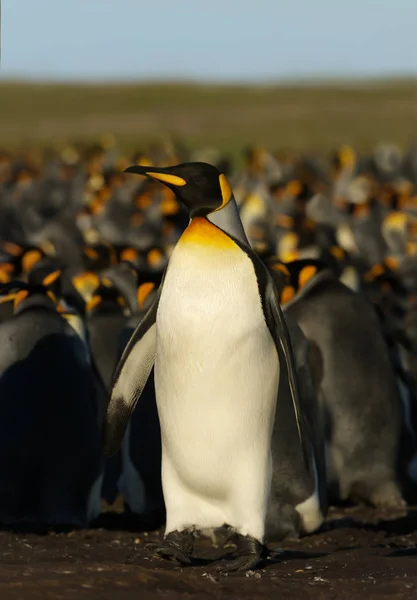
(216, 379)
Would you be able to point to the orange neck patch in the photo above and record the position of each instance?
(200, 232)
(287, 294)
(143, 292)
(306, 274)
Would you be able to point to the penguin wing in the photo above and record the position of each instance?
(280, 333)
(130, 378)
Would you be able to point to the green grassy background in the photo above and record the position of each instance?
(312, 117)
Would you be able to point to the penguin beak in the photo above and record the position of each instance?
(163, 175)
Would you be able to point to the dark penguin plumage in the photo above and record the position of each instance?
(357, 390)
(298, 498)
(105, 317)
(50, 472)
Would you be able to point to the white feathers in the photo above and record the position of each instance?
(94, 499)
(135, 371)
(309, 510)
(216, 377)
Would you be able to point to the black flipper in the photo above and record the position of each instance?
(130, 378)
(279, 331)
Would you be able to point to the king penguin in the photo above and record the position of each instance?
(218, 342)
(50, 454)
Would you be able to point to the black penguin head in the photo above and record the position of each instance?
(199, 186)
(26, 295)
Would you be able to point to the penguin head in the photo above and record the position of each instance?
(198, 185)
(107, 298)
(25, 295)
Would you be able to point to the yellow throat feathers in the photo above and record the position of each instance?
(200, 232)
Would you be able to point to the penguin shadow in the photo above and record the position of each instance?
(40, 530)
(403, 553)
(395, 526)
(278, 555)
(129, 522)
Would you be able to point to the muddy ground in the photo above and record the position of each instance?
(359, 553)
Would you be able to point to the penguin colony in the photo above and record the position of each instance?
(227, 351)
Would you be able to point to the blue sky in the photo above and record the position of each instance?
(208, 39)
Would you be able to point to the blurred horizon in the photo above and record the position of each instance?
(216, 43)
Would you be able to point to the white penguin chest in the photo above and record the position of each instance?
(216, 365)
(209, 308)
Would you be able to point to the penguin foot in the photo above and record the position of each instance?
(388, 497)
(177, 546)
(248, 552)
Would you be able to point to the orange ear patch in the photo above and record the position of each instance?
(12, 248)
(306, 274)
(226, 191)
(121, 301)
(91, 253)
(51, 278)
(19, 297)
(392, 263)
(30, 259)
(129, 254)
(281, 268)
(7, 298)
(153, 257)
(143, 292)
(106, 282)
(293, 188)
(284, 221)
(412, 248)
(287, 293)
(375, 271)
(144, 201)
(396, 219)
(52, 296)
(4, 276)
(290, 255)
(337, 252)
(7, 268)
(361, 210)
(95, 301)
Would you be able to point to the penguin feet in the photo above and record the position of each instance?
(176, 546)
(248, 554)
(384, 496)
(388, 497)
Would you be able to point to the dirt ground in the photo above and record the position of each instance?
(358, 554)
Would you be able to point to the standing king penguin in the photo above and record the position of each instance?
(216, 336)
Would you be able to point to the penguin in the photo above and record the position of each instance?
(217, 338)
(106, 316)
(357, 390)
(51, 458)
(65, 283)
(124, 277)
(139, 481)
